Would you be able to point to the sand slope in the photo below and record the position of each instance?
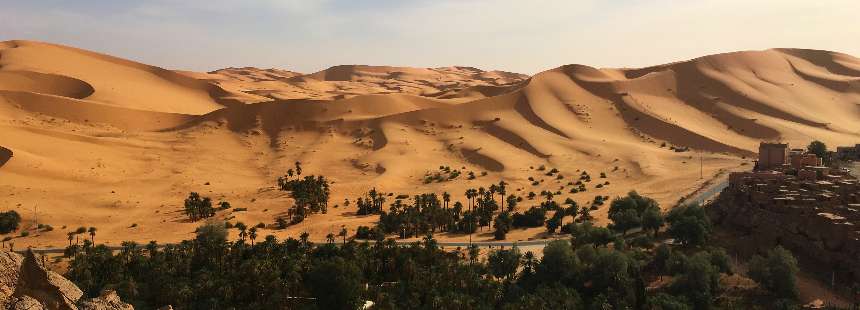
(84, 154)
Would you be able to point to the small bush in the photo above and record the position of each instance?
(9, 221)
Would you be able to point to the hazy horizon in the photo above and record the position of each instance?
(308, 36)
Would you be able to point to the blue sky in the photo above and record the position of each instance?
(520, 36)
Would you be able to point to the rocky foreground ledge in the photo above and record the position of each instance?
(26, 284)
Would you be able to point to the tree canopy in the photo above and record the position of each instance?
(9, 221)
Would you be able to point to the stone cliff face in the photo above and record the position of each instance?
(812, 231)
(26, 284)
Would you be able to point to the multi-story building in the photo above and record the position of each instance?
(772, 156)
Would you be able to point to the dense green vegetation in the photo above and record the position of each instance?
(596, 268)
(9, 221)
(211, 272)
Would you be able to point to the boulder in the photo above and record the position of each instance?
(107, 300)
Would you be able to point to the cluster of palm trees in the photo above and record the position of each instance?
(371, 204)
(311, 194)
(74, 235)
(426, 213)
(486, 207)
(197, 207)
(245, 232)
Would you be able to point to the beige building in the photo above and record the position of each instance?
(772, 156)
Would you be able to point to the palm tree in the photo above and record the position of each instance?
(304, 238)
(253, 235)
(71, 237)
(502, 191)
(290, 173)
(298, 168)
(329, 238)
(92, 232)
(343, 233)
(243, 230)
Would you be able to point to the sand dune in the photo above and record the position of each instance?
(117, 82)
(346, 81)
(91, 150)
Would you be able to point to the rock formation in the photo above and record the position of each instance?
(25, 283)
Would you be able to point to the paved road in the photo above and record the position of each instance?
(710, 193)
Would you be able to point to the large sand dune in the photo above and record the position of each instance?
(101, 141)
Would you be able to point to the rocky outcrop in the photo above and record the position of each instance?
(108, 300)
(25, 283)
(46, 286)
(10, 264)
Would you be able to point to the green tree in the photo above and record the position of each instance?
(212, 233)
(776, 272)
(663, 301)
(558, 264)
(626, 212)
(652, 219)
(818, 148)
(689, 224)
(336, 283)
(9, 221)
(503, 264)
(549, 296)
(503, 224)
(699, 282)
(625, 220)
